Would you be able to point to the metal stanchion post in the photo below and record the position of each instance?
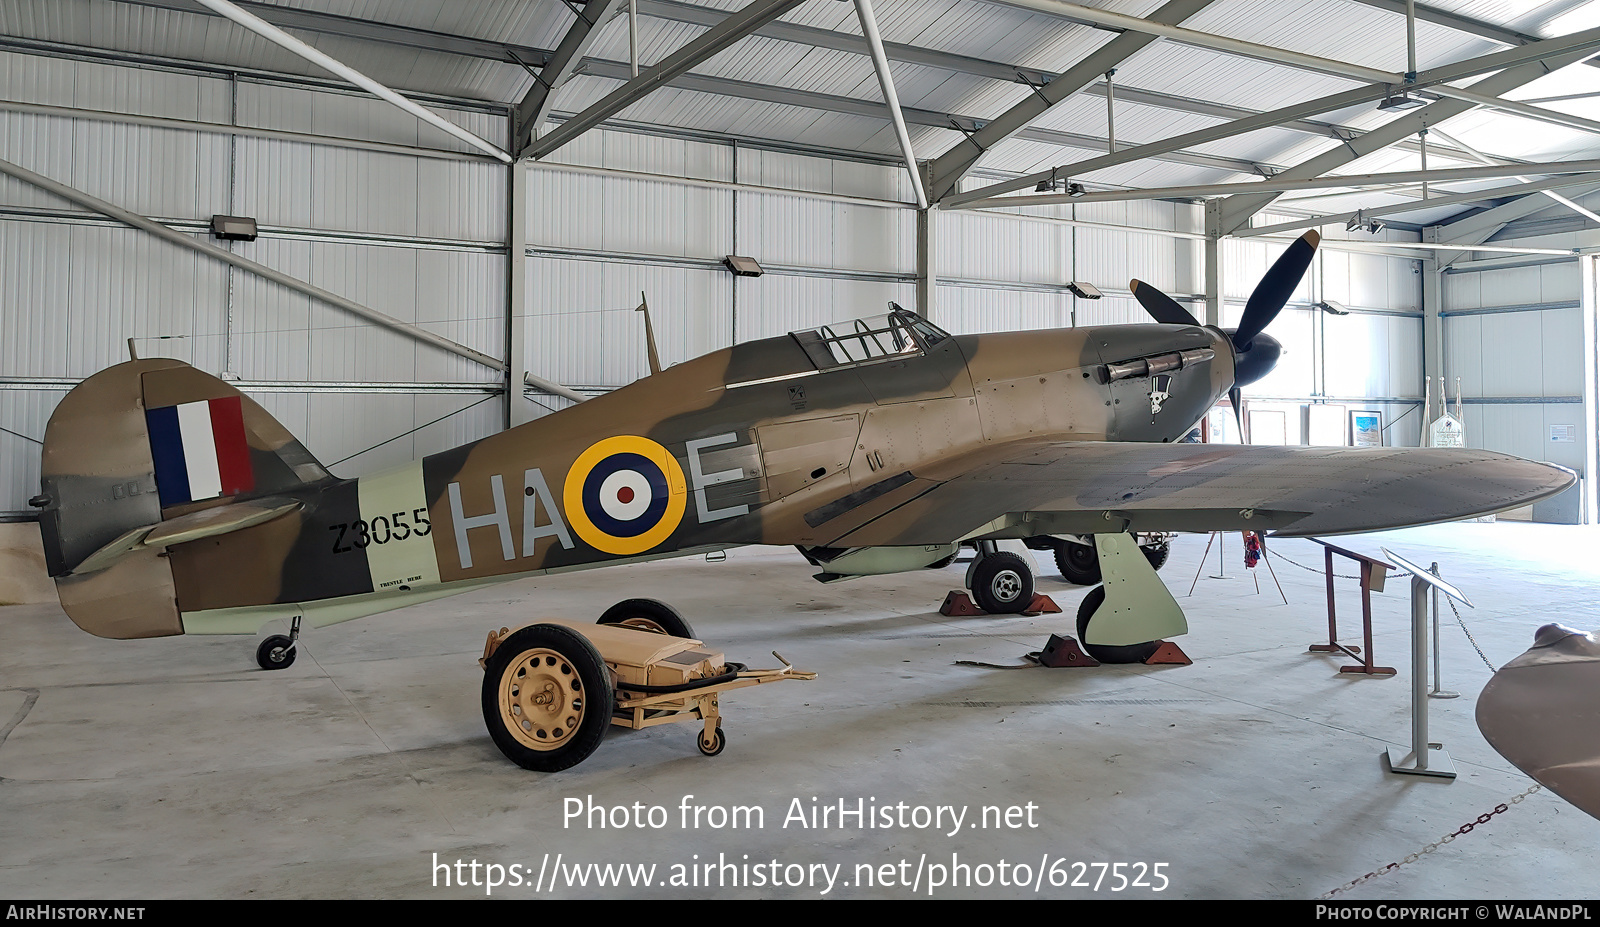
(1420, 759)
(1436, 691)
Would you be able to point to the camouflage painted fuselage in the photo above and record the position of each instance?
(747, 445)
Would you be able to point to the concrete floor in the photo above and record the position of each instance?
(176, 768)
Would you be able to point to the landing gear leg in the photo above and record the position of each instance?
(1125, 620)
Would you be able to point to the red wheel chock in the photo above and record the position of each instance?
(1168, 653)
(1042, 605)
(1063, 651)
(960, 605)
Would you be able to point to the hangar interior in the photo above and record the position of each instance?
(759, 129)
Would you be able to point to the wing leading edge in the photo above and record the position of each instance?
(1102, 487)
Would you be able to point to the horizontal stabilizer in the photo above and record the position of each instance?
(205, 523)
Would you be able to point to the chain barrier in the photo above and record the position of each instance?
(1276, 554)
(1398, 573)
(1462, 831)
(1459, 620)
(1470, 638)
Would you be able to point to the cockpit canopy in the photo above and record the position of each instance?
(894, 334)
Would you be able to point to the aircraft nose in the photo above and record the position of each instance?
(1256, 359)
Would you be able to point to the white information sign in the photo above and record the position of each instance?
(1446, 431)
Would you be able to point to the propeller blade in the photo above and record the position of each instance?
(1161, 307)
(1235, 395)
(1275, 288)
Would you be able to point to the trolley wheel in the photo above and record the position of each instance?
(648, 615)
(718, 741)
(1003, 584)
(547, 697)
(275, 653)
(1107, 653)
(1079, 563)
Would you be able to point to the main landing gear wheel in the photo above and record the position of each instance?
(648, 615)
(1126, 653)
(547, 697)
(1079, 563)
(275, 653)
(718, 741)
(1002, 584)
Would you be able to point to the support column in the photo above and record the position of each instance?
(927, 263)
(1588, 269)
(1214, 290)
(1432, 327)
(517, 409)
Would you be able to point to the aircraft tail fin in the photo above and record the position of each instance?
(138, 446)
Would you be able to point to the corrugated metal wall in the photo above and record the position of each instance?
(1514, 336)
(418, 238)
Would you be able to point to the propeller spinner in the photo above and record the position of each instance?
(1255, 353)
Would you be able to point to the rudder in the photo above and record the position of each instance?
(133, 446)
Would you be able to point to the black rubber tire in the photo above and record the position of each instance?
(274, 653)
(649, 615)
(1157, 554)
(584, 672)
(942, 562)
(1003, 584)
(1126, 653)
(1079, 563)
(721, 742)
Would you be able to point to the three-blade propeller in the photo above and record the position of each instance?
(1254, 352)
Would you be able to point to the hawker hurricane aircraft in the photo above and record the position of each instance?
(172, 504)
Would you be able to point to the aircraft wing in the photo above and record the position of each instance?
(1102, 487)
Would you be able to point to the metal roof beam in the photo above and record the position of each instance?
(847, 42)
(1486, 159)
(831, 103)
(891, 100)
(1163, 147)
(328, 63)
(1300, 60)
(1282, 183)
(1524, 56)
(711, 42)
(352, 28)
(948, 169)
(675, 11)
(1237, 210)
(1306, 126)
(1456, 21)
(1480, 227)
(1457, 199)
(534, 108)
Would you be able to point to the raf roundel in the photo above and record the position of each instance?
(625, 495)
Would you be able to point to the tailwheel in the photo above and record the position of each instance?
(1127, 653)
(547, 698)
(275, 653)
